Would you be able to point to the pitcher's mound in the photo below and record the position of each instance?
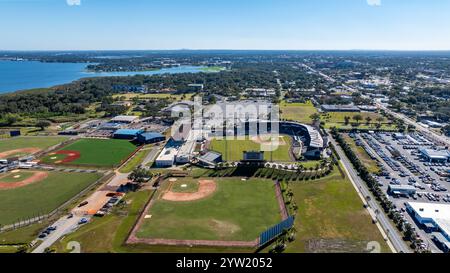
(205, 189)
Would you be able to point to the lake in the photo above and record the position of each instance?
(24, 75)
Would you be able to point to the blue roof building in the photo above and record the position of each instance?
(127, 133)
(150, 137)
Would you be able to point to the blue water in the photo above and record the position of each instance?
(24, 75)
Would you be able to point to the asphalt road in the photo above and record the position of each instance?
(391, 231)
(63, 227)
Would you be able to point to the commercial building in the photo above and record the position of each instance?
(435, 155)
(340, 108)
(433, 218)
(401, 190)
(211, 158)
(127, 133)
(125, 119)
(149, 137)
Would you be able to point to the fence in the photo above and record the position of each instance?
(39, 217)
(275, 231)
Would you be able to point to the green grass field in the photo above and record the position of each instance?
(238, 210)
(299, 112)
(370, 164)
(135, 161)
(15, 177)
(331, 218)
(42, 197)
(236, 149)
(29, 142)
(96, 152)
(337, 119)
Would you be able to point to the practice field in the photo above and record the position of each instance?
(42, 196)
(236, 211)
(92, 152)
(233, 149)
(331, 218)
(300, 112)
(21, 146)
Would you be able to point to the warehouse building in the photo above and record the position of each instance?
(435, 156)
(125, 119)
(340, 108)
(435, 219)
(129, 134)
(211, 158)
(401, 190)
(149, 138)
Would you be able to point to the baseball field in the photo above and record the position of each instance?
(225, 209)
(92, 152)
(26, 194)
(21, 146)
(233, 149)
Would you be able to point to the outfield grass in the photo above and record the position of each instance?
(97, 152)
(29, 142)
(299, 112)
(42, 197)
(370, 164)
(238, 210)
(135, 161)
(236, 149)
(331, 217)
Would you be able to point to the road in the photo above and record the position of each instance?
(95, 201)
(391, 231)
(439, 138)
(63, 227)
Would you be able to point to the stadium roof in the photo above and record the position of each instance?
(128, 132)
(316, 138)
(151, 135)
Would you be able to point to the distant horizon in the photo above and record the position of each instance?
(219, 49)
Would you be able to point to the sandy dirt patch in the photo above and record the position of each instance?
(205, 189)
(266, 140)
(20, 151)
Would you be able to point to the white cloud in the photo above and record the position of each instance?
(375, 3)
(73, 2)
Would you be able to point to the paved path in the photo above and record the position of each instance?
(388, 228)
(63, 227)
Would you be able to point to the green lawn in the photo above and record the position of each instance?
(337, 119)
(370, 164)
(42, 197)
(236, 149)
(331, 217)
(135, 161)
(210, 69)
(29, 142)
(299, 112)
(97, 152)
(238, 210)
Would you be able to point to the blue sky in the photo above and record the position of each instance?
(224, 24)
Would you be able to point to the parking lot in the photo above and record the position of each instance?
(404, 167)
